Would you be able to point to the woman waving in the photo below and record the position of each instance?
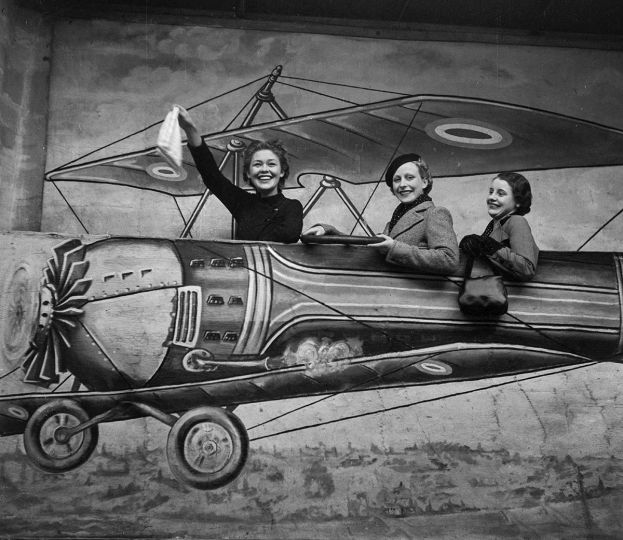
(265, 215)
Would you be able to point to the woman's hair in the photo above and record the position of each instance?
(409, 158)
(275, 147)
(521, 191)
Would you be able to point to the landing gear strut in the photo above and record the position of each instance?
(207, 447)
(50, 440)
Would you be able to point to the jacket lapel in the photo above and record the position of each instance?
(411, 219)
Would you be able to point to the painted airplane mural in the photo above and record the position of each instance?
(185, 330)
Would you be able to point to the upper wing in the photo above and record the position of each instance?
(456, 136)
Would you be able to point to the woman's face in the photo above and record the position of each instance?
(407, 183)
(265, 172)
(500, 201)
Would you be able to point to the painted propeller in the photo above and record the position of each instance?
(62, 296)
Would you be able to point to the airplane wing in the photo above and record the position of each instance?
(456, 136)
(433, 365)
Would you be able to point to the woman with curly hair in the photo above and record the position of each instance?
(507, 242)
(265, 215)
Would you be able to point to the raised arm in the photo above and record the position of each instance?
(229, 194)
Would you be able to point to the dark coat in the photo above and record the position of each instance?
(276, 218)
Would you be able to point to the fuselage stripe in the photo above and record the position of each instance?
(427, 277)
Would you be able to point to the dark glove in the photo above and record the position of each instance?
(472, 245)
(489, 246)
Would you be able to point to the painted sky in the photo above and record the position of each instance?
(111, 80)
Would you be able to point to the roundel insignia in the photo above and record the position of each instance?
(434, 367)
(466, 133)
(18, 412)
(163, 171)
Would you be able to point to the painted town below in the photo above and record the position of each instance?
(367, 492)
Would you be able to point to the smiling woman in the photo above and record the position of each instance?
(419, 234)
(267, 215)
(507, 243)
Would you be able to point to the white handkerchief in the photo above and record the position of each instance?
(170, 139)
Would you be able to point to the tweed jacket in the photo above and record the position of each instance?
(425, 240)
(518, 258)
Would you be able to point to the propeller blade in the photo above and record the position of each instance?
(77, 290)
(29, 358)
(47, 371)
(76, 272)
(59, 364)
(59, 253)
(63, 337)
(68, 312)
(32, 373)
(66, 322)
(50, 271)
(71, 301)
(68, 260)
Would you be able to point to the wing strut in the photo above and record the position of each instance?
(235, 146)
(328, 182)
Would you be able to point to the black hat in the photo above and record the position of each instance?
(397, 163)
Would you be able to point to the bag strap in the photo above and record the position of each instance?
(468, 267)
(470, 264)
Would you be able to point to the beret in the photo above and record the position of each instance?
(397, 163)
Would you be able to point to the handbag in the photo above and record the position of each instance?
(484, 295)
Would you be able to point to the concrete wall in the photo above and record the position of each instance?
(25, 40)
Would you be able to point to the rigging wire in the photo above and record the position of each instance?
(413, 403)
(560, 344)
(182, 215)
(70, 207)
(153, 125)
(378, 183)
(62, 382)
(601, 228)
(115, 368)
(239, 112)
(9, 373)
(318, 93)
(349, 389)
(344, 85)
(51, 392)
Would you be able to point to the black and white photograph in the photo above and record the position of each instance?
(311, 269)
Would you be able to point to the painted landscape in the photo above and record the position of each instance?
(431, 489)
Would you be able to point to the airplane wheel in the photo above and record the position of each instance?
(46, 442)
(207, 447)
